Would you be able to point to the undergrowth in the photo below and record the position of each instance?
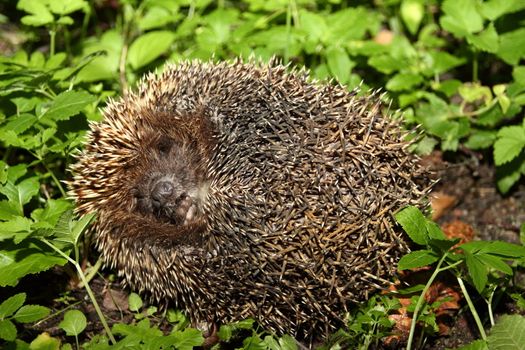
(454, 67)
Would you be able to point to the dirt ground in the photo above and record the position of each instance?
(470, 197)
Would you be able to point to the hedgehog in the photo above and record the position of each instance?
(242, 190)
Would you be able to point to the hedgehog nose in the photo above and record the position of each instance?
(162, 191)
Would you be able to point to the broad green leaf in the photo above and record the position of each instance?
(67, 104)
(386, 64)
(412, 12)
(443, 61)
(188, 339)
(510, 143)
(40, 14)
(314, 25)
(504, 249)
(480, 139)
(487, 40)
(74, 322)
(21, 123)
(156, 17)
(404, 81)
(414, 224)
(134, 302)
(17, 228)
(11, 304)
(45, 342)
(7, 330)
(49, 215)
(62, 7)
(148, 47)
(22, 193)
(339, 64)
(31, 313)
(477, 271)
(493, 9)
(505, 179)
(512, 46)
(461, 17)
(27, 257)
(418, 258)
(508, 333)
(495, 262)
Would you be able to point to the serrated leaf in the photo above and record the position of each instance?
(461, 17)
(40, 14)
(17, 228)
(480, 139)
(29, 256)
(493, 9)
(7, 330)
(62, 7)
(21, 193)
(495, 263)
(188, 339)
(487, 40)
(477, 271)
(148, 47)
(31, 313)
(512, 46)
(503, 249)
(414, 224)
(510, 143)
(74, 322)
(443, 61)
(11, 304)
(21, 123)
(418, 258)
(508, 333)
(67, 104)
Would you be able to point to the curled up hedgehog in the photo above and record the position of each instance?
(242, 190)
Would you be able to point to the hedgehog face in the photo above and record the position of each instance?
(171, 187)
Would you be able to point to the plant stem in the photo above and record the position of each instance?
(472, 309)
(52, 35)
(475, 67)
(55, 179)
(422, 299)
(88, 290)
(92, 272)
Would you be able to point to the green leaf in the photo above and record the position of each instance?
(40, 14)
(17, 228)
(512, 46)
(487, 40)
(386, 64)
(443, 61)
(156, 17)
(480, 139)
(7, 330)
(31, 313)
(188, 339)
(412, 12)
(21, 123)
(10, 305)
(22, 193)
(29, 256)
(74, 322)
(67, 104)
(495, 263)
(510, 143)
(339, 64)
(148, 47)
(505, 178)
(504, 249)
(403, 81)
(62, 7)
(477, 271)
(508, 333)
(493, 9)
(418, 258)
(414, 224)
(461, 17)
(134, 302)
(44, 342)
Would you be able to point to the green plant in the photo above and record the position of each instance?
(13, 309)
(472, 261)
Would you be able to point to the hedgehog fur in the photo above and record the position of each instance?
(242, 190)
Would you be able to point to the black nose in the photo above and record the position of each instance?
(162, 191)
